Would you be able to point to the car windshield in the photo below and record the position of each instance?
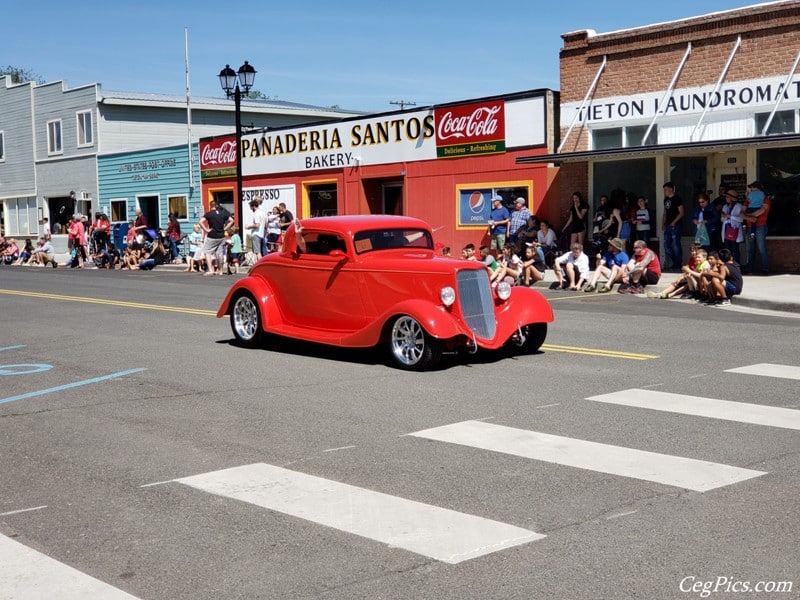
(385, 239)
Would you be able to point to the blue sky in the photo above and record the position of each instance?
(354, 54)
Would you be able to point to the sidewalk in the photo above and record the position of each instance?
(768, 292)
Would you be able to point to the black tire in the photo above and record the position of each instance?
(534, 335)
(411, 347)
(246, 321)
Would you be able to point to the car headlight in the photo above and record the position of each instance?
(503, 290)
(447, 295)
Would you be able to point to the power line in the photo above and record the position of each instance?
(402, 103)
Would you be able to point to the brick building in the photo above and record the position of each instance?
(704, 101)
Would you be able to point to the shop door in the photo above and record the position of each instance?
(61, 208)
(393, 199)
(149, 207)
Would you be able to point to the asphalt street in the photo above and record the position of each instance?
(143, 455)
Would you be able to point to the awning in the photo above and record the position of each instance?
(773, 141)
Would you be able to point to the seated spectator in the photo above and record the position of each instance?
(468, 253)
(642, 270)
(155, 255)
(609, 266)
(107, 258)
(529, 231)
(26, 253)
(44, 253)
(488, 259)
(723, 279)
(509, 267)
(532, 268)
(571, 269)
(686, 284)
(131, 256)
(546, 243)
(10, 254)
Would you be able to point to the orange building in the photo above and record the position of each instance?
(442, 163)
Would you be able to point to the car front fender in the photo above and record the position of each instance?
(263, 294)
(524, 307)
(437, 320)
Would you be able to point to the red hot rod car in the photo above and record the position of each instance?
(370, 280)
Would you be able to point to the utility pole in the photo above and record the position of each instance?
(402, 103)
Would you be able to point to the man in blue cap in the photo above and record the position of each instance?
(498, 224)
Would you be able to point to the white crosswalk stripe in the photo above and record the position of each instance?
(769, 370)
(741, 412)
(439, 533)
(30, 575)
(676, 471)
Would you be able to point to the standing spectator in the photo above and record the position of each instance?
(498, 224)
(577, 223)
(140, 225)
(757, 224)
(643, 226)
(99, 231)
(703, 220)
(518, 221)
(45, 229)
(173, 237)
(732, 224)
(234, 250)
(214, 223)
(600, 223)
(195, 249)
(571, 269)
(77, 237)
(273, 230)
(286, 218)
(255, 230)
(671, 225)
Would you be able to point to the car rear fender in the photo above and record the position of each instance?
(261, 291)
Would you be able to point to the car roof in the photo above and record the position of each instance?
(347, 225)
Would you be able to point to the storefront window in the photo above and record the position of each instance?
(637, 176)
(779, 171)
(623, 137)
(782, 122)
(178, 205)
(21, 217)
(322, 200)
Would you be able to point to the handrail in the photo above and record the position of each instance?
(668, 93)
(716, 87)
(780, 96)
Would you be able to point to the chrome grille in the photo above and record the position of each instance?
(477, 304)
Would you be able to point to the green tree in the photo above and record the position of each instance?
(19, 75)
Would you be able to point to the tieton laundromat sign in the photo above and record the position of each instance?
(446, 132)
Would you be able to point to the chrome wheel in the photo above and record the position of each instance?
(411, 347)
(246, 320)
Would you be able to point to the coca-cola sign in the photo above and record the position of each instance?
(218, 154)
(470, 129)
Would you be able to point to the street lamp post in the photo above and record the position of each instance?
(233, 87)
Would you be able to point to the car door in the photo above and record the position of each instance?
(322, 291)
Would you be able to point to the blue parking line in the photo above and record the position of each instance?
(12, 347)
(68, 386)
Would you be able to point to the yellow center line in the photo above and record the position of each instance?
(190, 311)
(598, 352)
(212, 313)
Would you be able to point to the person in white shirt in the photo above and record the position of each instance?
(44, 253)
(255, 230)
(572, 269)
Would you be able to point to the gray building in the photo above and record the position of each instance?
(51, 137)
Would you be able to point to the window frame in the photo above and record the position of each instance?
(124, 213)
(85, 134)
(2, 145)
(52, 126)
(175, 197)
